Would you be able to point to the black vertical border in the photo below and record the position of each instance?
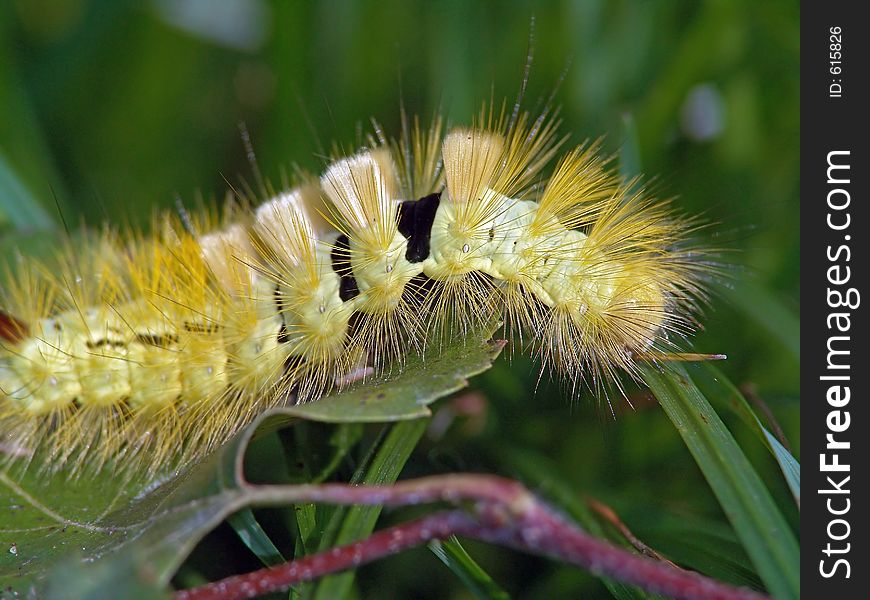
(833, 124)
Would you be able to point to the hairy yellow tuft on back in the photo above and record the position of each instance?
(362, 189)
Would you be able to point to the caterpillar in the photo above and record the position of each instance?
(152, 350)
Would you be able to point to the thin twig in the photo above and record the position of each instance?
(501, 512)
(609, 515)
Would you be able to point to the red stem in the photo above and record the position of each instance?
(542, 531)
(379, 544)
(504, 513)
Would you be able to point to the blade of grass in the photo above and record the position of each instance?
(478, 581)
(307, 515)
(250, 532)
(719, 388)
(306, 527)
(17, 204)
(333, 516)
(26, 150)
(745, 500)
(360, 521)
(342, 440)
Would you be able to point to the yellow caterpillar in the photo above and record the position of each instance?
(154, 350)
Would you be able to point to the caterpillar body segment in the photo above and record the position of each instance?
(151, 351)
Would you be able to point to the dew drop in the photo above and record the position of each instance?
(389, 268)
(209, 370)
(466, 248)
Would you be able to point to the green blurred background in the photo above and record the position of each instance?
(111, 108)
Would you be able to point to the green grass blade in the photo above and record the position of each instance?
(763, 531)
(17, 205)
(478, 581)
(253, 536)
(360, 521)
(719, 388)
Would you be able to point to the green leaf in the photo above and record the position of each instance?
(759, 524)
(105, 517)
(406, 394)
(478, 581)
(104, 580)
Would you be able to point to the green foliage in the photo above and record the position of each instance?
(478, 581)
(744, 498)
(112, 108)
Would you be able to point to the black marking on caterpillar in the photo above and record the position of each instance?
(99, 343)
(341, 265)
(283, 338)
(280, 306)
(415, 223)
(158, 341)
(207, 328)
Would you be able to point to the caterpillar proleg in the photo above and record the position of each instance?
(155, 349)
